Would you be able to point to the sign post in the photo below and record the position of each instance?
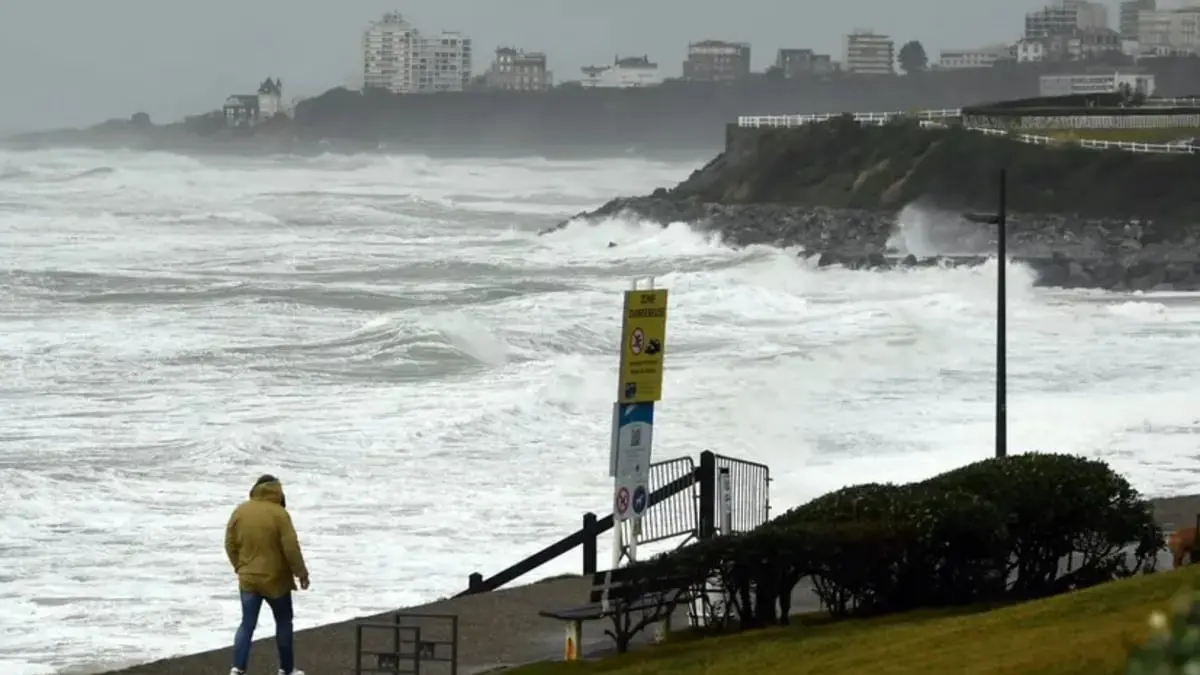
(639, 385)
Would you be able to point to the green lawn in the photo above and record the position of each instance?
(1127, 135)
(1082, 633)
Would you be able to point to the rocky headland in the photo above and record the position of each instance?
(874, 197)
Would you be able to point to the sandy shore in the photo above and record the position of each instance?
(495, 629)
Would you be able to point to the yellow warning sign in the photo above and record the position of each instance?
(643, 341)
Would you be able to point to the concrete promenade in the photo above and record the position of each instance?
(496, 629)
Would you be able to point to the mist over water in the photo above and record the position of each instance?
(433, 382)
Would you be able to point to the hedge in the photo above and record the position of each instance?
(997, 530)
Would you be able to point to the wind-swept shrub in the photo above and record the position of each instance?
(1015, 527)
(1069, 519)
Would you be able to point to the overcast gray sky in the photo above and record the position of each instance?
(76, 62)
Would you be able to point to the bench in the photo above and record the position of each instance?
(617, 595)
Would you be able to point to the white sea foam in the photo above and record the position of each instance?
(433, 381)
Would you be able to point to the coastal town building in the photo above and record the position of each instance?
(1169, 32)
(1128, 17)
(1030, 50)
(1070, 30)
(869, 53)
(1070, 46)
(517, 70)
(624, 73)
(1066, 17)
(398, 58)
(802, 63)
(1095, 83)
(983, 57)
(270, 98)
(390, 48)
(241, 110)
(443, 62)
(249, 110)
(717, 61)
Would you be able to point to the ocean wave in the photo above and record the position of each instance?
(223, 318)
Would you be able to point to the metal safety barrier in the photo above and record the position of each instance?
(677, 514)
(749, 492)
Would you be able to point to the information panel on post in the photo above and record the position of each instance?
(634, 440)
(643, 341)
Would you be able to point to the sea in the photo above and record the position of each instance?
(433, 381)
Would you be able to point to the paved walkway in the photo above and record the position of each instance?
(496, 629)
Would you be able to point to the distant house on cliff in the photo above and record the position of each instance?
(517, 70)
(802, 63)
(624, 73)
(248, 110)
(270, 98)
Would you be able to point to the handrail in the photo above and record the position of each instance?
(585, 536)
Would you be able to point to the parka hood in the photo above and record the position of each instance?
(268, 491)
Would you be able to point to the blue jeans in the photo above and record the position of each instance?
(281, 607)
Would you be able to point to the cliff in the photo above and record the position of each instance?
(1081, 217)
(843, 164)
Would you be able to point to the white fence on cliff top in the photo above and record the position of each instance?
(1158, 148)
(939, 118)
(862, 118)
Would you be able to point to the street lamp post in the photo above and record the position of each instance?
(1000, 220)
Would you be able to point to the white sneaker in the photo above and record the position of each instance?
(236, 671)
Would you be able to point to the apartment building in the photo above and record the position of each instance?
(717, 61)
(443, 62)
(518, 70)
(389, 50)
(1128, 21)
(1169, 32)
(1066, 17)
(802, 63)
(399, 58)
(869, 53)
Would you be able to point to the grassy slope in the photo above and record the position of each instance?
(1084, 633)
(841, 164)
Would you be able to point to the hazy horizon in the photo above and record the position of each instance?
(109, 60)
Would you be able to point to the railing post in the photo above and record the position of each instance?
(475, 583)
(589, 543)
(708, 494)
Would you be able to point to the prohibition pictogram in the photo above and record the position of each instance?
(622, 501)
(637, 341)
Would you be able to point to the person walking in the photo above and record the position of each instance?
(262, 546)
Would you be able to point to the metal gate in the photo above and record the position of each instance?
(750, 492)
(674, 516)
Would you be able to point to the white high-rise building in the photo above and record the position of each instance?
(398, 58)
(869, 53)
(389, 52)
(443, 62)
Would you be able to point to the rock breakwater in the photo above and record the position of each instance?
(1063, 251)
(1057, 270)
